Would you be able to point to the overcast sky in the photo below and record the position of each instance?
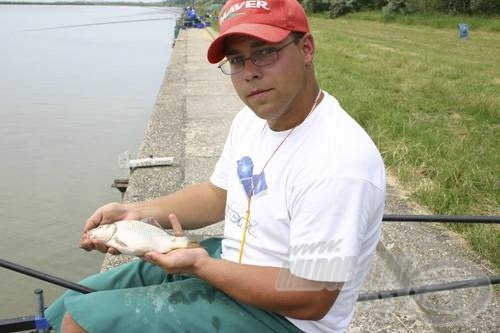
(81, 0)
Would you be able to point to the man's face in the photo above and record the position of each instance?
(271, 91)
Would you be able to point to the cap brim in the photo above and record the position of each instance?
(267, 33)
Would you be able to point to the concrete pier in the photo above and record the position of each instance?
(190, 121)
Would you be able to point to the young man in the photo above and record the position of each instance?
(299, 183)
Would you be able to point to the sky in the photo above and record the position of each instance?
(144, 1)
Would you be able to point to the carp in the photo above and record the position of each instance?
(134, 237)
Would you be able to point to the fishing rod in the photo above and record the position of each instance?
(383, 294)
(443, 218)
(363, 297)
(387, 218)
(46, 277)
(102, 23)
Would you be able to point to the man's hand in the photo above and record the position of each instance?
(106, 214)
(179, 260)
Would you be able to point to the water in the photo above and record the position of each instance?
(71, 99)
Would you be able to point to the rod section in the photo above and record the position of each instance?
(45, 277)
(429, 289)
(442, 218)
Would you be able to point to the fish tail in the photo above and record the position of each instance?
(193, 244)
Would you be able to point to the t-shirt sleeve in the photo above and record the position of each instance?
(329, 217)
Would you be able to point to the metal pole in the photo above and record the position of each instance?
(41, 323)
(45, 277)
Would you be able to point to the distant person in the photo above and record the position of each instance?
(191, 13)
(300, 186)
(190, 17)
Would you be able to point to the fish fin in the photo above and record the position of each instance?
(190, 245)
(169, 232)
(120, 242)
(193, 244)
(153, 222)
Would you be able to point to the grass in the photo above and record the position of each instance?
(430, 100)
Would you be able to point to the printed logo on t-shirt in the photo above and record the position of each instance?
(252, 184)
(235, 214)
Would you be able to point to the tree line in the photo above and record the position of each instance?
(336, 8)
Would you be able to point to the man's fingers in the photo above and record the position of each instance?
(86, 242)
(152, 257)
(176, 225)
(91, 244)
(93, 222)
(105, 214)
(100, 246)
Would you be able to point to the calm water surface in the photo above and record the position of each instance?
(71, 99)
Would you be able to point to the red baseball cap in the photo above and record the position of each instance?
(267, 20)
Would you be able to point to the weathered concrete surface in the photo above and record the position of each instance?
(190, 121)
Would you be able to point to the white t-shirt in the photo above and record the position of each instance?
(317, 207)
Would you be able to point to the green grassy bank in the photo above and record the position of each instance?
(431, 101)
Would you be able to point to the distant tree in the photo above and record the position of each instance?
(483, 7)
(341, 7)
(336, 8)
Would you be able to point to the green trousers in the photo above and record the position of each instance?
(142, 297)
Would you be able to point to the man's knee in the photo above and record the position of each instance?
(68, 325)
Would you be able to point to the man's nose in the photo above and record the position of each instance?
(250, 70)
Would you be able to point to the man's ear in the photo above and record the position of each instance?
(308, 48)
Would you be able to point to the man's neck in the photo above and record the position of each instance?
(305, 105)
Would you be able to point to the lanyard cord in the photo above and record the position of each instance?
(245, 227)
(247, 215)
